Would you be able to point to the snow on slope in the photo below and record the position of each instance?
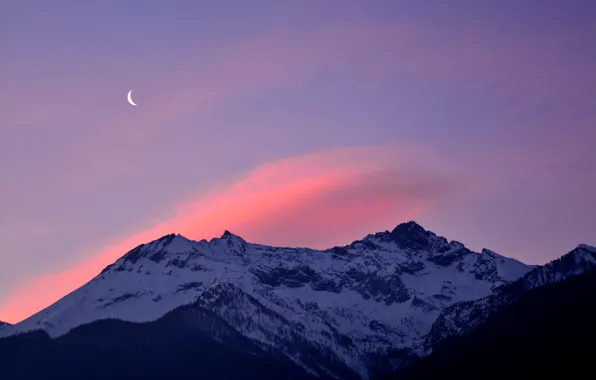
(462, 317)
(375, 295)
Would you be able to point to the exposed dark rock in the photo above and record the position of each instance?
(189, 286)
(411, 235)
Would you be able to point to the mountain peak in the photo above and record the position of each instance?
(586, 247)
(165, 237)
(228, 235)
(230, 240)
(410, 225)
(156, 249)
(171, 240)
(583, 256)
(486, 251)
(411, 235)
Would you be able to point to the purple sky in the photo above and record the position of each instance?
(475, 118)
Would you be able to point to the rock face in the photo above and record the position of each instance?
(351, 305)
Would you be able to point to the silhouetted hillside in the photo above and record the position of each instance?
(170, 348)
(550, 331)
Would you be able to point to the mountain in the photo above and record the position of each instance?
(547, 332)
(462, 317)
(3, 324)
(342, 312)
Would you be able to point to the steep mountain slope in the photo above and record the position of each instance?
(548, 332)
(354, 303)
(462, 317)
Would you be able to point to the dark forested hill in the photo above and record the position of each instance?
(182, 345)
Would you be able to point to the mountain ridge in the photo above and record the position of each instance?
(449, 324)
(364, 304)
(374, 295)
(547, 332)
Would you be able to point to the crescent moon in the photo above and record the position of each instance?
(130, 98)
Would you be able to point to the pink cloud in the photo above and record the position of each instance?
(321, 200)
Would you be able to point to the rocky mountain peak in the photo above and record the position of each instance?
(167, 237)
(410, 227)
(488, 252)
(587, 248)
(411, 235)
(582, 258)
(155, 251)
(233, 242)
(230, 236)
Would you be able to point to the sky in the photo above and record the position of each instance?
(294, 123)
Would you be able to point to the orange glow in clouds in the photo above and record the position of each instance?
(316, 200)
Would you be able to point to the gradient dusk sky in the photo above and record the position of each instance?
(299, 123)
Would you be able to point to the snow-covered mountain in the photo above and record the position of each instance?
(463, 317)
(352, 303)
(3, 324)
(548, 332)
